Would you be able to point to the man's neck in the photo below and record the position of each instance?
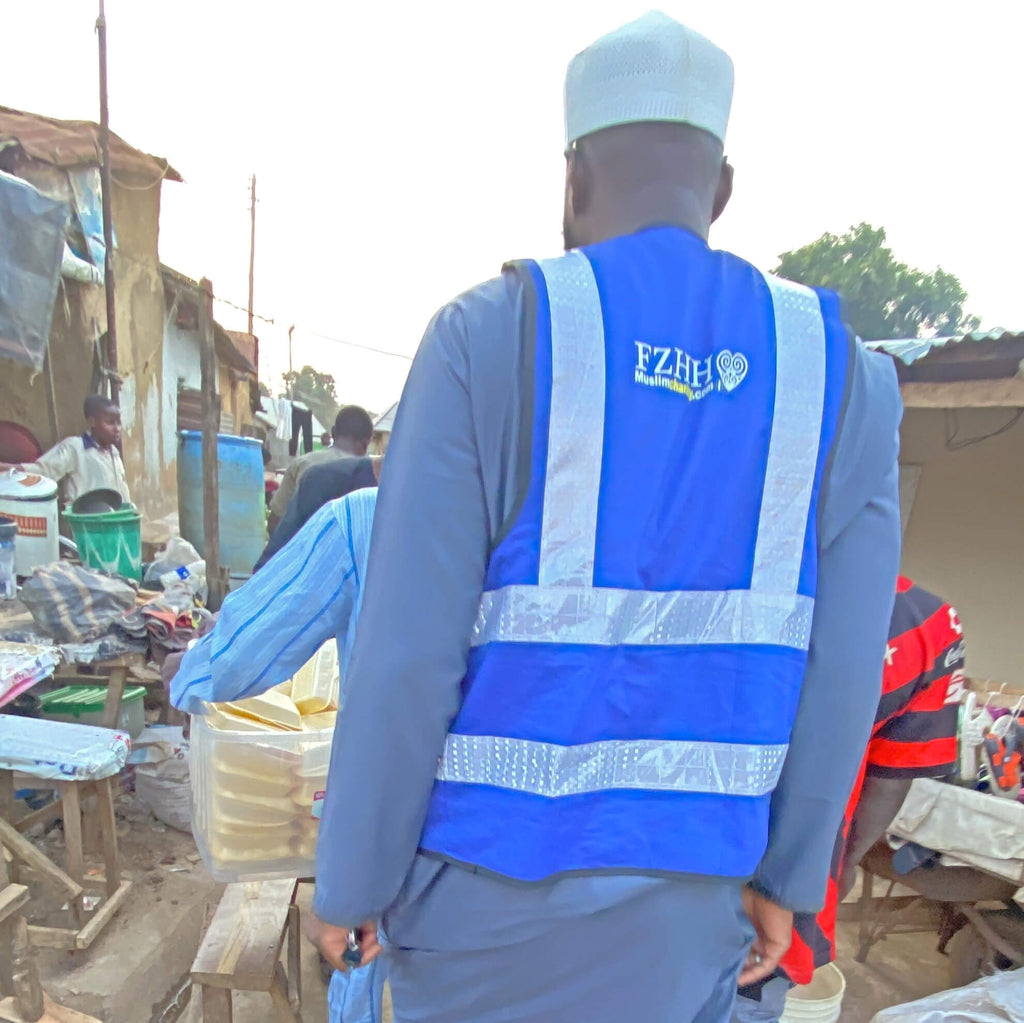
(675, 207)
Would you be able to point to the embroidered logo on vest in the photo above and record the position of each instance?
(676, 370)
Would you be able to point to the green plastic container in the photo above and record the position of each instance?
(84, 705)
(110, 541)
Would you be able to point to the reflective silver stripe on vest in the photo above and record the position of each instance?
(796, 436)
(576, 430)
(544, 769)
(601, 616)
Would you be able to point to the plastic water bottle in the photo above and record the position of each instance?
(8, 580)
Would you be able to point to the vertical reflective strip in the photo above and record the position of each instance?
(576, 430)
(795, 438)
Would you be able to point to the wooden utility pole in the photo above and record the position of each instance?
(211, 427)
(291, 382)
(108, 224)
(252, 246)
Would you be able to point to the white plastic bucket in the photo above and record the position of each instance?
(821, 1001)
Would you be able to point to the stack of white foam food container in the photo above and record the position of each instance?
(259, 773)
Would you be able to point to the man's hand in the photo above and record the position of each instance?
(774, 927)
(331, 941)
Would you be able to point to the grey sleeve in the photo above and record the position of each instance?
(443, 493)
(857, 568)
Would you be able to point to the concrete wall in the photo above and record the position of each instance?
(964, 537)
(140, 343)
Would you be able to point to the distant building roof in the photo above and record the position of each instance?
(74, 144)
(385, 422)
(912, 350)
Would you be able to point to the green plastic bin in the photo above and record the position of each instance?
(84, 705)
(110, 541)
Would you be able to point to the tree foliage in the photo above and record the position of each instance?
(316, 389)
(883, 298)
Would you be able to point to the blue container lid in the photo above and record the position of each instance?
(222, 438)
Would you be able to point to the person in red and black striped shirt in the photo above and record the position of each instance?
(914, 736)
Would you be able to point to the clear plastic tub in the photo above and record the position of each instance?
(256, 799)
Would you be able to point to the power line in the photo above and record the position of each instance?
(316, 333)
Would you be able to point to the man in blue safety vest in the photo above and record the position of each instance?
(619, 657)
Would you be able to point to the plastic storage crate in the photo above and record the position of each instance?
(84, 705)
(256, 800)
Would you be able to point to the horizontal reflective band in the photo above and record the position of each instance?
(602, 616)
(544, 769)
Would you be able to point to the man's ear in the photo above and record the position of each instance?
(579, 179)
(723, 193)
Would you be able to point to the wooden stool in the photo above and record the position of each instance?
(86, 925)
(242, 950)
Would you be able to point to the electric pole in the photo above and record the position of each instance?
(252, 246)
(108, 225)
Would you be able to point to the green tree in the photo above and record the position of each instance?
(883, 298)
(316, 389)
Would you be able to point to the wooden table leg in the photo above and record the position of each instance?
(294, 959)
(28, 993)
(283, 1008)
(867, 881)
(73, 844)
(7, 812)
(115, 693)
(216, 1004)
(108, 833)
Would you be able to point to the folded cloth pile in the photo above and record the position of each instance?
(170, 623)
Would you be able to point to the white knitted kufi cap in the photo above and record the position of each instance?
(652, 69)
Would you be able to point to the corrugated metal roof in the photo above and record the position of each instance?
(75, 144)
(385, 422)
(911, 350)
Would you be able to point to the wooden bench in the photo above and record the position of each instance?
(86, 923)
(242, 951)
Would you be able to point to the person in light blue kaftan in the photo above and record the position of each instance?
(306, 595)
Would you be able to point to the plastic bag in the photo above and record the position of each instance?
(178, 553)
(74, 604)
(160, 757)
(996, 999)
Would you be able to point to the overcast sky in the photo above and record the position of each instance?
(403, 152)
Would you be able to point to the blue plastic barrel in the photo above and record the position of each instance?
(242, 512)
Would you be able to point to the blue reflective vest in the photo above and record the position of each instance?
(641, 642)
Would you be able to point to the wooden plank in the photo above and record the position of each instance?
(115, 693)
(108, 834)
(44, 815)
(211, 420)
(294, 958)
(12, 898)
(53, 937)
(28, 853)
(284, 1010)
(1005, 393)
(243, 943)
(52, 1013)
(73, 849)
(88, 934)
(216, 1005)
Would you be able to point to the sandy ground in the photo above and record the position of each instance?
(172, 889)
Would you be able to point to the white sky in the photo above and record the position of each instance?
(404, 151)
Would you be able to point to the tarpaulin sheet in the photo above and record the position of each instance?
(59, 750)
(31, 250)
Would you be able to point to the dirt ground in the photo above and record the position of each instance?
(137, 971)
